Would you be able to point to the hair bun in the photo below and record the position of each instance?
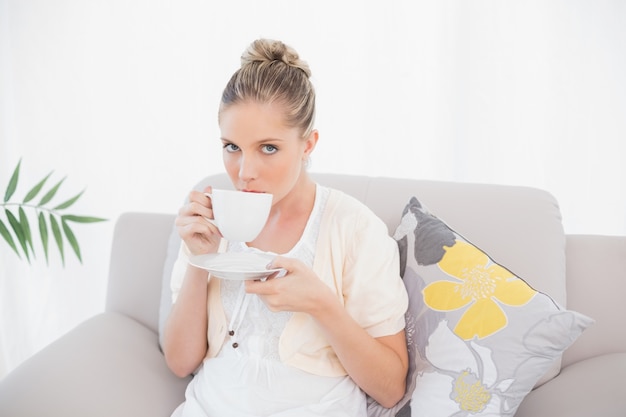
(268, 50)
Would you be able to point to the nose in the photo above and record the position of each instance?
(247, 168)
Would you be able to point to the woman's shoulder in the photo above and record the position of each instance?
(340, 201)
(343, 207)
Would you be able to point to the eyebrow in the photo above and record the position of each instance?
(258, 141)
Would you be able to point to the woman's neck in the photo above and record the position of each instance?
(298, 202)
(288, 219)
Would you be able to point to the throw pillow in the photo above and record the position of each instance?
(479, 336)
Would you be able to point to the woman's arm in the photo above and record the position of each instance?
(378, 365)
(185, 334)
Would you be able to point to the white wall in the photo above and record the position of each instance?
(120, 96)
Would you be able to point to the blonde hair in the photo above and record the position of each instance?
(273, 72)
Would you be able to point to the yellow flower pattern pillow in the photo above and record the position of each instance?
(479, 336)
(477, 285)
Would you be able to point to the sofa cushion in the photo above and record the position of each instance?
(479, 336)
(591, 387)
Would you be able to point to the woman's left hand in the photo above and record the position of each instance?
(299, 290)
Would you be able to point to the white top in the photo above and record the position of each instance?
(247, 377)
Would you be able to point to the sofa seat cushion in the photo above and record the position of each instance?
(592, 387)
(97, 361)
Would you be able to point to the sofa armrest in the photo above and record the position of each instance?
(136, 268)
(596, 285)
(110, 365)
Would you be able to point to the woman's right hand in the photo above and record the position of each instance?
(199, 234)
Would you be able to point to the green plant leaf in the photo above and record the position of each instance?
(48, 196)
(72, 240)
(56, 231)
(8, 238)
(68, 202)
(35, 190)
(12, 182)
(82, 219)
(43, 232)
(26, 228)
(19, 231)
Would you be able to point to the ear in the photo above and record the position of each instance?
(310, 142)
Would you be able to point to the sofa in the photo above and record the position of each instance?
(111, 365)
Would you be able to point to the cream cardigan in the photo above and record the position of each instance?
(356, 257)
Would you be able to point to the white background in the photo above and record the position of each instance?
(120, 97)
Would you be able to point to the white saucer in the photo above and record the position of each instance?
(235, 266)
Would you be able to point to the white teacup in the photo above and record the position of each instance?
(240, 215)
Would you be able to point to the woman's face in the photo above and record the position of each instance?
(261, 153)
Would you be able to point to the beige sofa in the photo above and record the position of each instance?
(111, 364)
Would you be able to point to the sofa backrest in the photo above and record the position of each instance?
(138, 255)
(519, 227)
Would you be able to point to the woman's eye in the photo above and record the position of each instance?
(231, 147)
(269, 149)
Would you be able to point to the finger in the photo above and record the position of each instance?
(200, 198)
(274, 275)
(193, 208)
(193, 214)
(259, 287)
(207, 196)
(200, 226)
(192, 226)
(289, 264)
(196, 209)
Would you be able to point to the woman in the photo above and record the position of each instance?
(314, 341)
